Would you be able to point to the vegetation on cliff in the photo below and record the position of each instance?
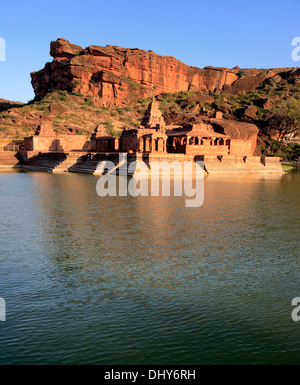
(276, 113)
(69, 113)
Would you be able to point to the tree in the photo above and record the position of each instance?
(287, 117)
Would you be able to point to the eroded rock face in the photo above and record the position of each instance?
(119, 76)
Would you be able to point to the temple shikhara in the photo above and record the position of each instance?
(223, 145)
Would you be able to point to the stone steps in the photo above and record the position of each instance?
(44, 162)
(70, 161)
(8, 159)
(36, 168)
(57, 162)
(87, 167)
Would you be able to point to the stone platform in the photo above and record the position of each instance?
(88, 163)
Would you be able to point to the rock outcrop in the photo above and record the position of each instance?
(237, 131)
(7, 104)
(119, 75)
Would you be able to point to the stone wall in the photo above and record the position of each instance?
(223, 165)
(62, 143)
(207, 150)
(241, 148)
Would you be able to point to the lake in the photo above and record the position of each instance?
(146, 280)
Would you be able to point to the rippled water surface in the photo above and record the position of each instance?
(145, 280)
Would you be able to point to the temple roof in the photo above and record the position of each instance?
(100, 132)
(153, 115)
(45, 129)
(197, 132)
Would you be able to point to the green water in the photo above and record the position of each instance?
(145, 280)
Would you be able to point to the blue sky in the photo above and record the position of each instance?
(255, 33)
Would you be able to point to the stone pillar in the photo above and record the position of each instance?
(116, 144)
(147, 144)
(160, 146)
(140, 144)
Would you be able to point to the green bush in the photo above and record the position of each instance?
(134, 85)
(88, 102)
(79, 131)
(109, 127)
(121, 111)
(76, 93)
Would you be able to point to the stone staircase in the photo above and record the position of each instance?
(7, 159)
(88, 164)
(84, 166)
(44, 162)
(70, 161)
(79, 162)
(92, 164)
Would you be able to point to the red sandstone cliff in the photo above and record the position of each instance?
(118, 76)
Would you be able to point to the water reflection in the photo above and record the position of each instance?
(145, 279)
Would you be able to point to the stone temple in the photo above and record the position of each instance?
(191, 139)
(223, 145)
